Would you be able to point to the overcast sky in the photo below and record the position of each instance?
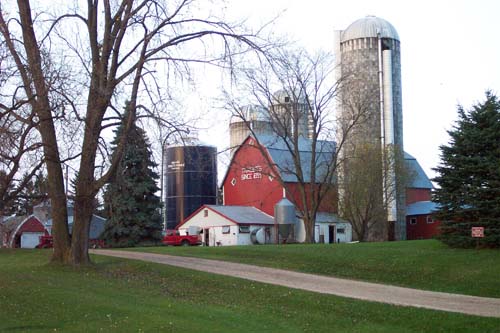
(450, 54)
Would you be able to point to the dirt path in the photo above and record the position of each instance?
(479, 306)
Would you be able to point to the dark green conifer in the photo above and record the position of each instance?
(131, 203)
(469, 177)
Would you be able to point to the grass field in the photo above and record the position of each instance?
(129, 296)
(115, 295)
(425, 264)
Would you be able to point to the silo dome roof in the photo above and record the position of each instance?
(251, 113)
(370, 26)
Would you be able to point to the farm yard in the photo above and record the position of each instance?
(423, 264)
(131, 296)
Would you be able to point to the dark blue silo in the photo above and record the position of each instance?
(190, 180)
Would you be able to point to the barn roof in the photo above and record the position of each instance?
(421, 208)
(282, 156)
(96, 224)
(418, 177)
(11, 225)
(12, 222)
(241, 215)
(323, 217)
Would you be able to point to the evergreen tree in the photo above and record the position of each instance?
(30, 194)
(469, 177)
(133, 208)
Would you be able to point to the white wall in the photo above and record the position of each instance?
(215, 223)
(323, 229)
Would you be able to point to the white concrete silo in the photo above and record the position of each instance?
(369, 59)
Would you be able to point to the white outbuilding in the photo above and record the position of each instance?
(230, 225)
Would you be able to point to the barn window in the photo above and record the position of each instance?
(413, 220)
(341, 231)
(205, 213)
(430, 219)
(226, 229)
(244, 229)
(233, 181)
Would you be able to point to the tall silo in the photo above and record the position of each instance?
(190, 179)
(289, 110)
(368, 55)
(252, 116)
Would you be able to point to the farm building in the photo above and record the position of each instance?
(419, 209)
(420, 223)
(249, 181)
(21, 232)
(43, 212)
(331, 229)
(230, 225)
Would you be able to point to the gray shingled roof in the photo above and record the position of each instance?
(243, 214)
(418, 177)
(12, 222)
(323, 217)
(96, 225)
(421, 208)
(284, 160)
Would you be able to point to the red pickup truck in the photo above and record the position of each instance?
(172, 237)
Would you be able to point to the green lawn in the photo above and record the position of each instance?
(116, 295)
(426, 264)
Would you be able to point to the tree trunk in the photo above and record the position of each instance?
(47, 131)
(85, 182)
(309, 227)
(84, 207)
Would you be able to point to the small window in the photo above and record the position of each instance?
(205, 213)
(244, 229)
(226, 229)
(430, 219)
(287, 99)
(233, 181)
(413, 220)
(341, 231)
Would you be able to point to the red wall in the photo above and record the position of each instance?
(417, 194)
(253, 185)
(421, 230)
(32, 225)
(329, 204)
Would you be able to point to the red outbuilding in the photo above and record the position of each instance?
(420, 223)
(21, 231)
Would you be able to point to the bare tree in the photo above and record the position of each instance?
(367, 188)
(20, 145)
(119, 50)
(299, 92)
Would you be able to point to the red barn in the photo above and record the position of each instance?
(419, 209)
(250, 181)
(21, 232)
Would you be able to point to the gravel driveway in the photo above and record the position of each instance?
(473, 305)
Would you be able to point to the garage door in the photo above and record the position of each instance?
(30, 239)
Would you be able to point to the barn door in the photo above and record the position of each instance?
(331, 234)
(206, 236)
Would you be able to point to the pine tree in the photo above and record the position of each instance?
(469, 177)
(30, 194)
(132, 207)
